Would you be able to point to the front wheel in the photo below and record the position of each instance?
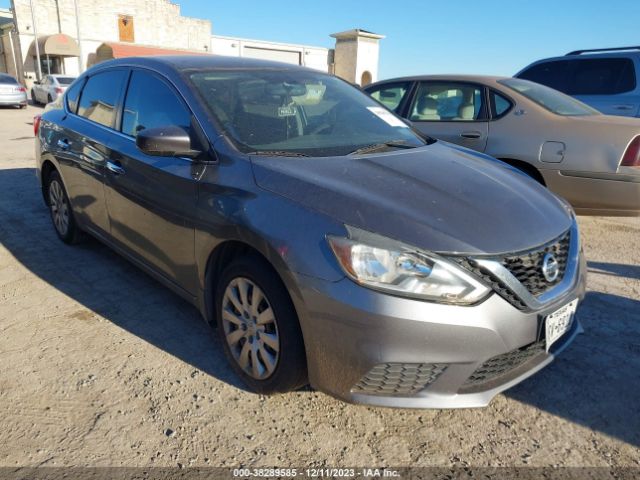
(259, 328)
(60, 209)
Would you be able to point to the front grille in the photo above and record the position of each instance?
(502, 364)
(398, 378)
(527, 268)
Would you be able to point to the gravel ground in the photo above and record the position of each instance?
(102, 366)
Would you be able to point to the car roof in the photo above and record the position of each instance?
(198, 62)
(483, 79)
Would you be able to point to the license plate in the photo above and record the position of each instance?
(559, 322)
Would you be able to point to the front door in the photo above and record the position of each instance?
(152, 200)
(452, 111)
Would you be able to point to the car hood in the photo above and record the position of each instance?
(439, 197)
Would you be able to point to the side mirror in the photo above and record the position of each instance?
(170, 141)
(36, 82)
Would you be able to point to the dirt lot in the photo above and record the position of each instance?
(102, 366)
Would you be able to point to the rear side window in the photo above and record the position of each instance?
(390, 94)
(602, 76)
(72, 96)
(552, 74)
(152, 103)
(100, 96)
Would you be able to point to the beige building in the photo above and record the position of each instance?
(120, 28)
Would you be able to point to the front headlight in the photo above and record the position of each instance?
(384, 264)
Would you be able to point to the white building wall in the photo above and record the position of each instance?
(313, 57)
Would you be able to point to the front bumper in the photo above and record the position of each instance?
(425, 353)
(13, 99)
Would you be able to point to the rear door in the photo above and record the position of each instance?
(151, 200)
(452, 111)
(81, 144)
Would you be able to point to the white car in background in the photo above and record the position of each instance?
(48, 89)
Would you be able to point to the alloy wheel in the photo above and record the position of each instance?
(250, 328)
(59, 207)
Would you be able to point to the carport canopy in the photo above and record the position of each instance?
(59, 44)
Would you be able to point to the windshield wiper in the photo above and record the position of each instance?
(380, 146)
(277, 153)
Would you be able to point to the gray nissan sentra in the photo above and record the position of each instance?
(327, 241)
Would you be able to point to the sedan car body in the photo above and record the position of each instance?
(592, 160)
(12, 93)
(328, 241)
(50, 87)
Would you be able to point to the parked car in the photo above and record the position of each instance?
(592, 160)
(328, 241)
(12, 93)
(604, 78)
(48, 89)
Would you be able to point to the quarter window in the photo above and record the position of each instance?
(501, 105)
(72, 95)
(100, 96)
(152, 103)
(390, 95)
(447, 102)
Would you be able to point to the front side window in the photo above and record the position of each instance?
(390, 95)
(298, 112)
(552, 74)
(548, 98)
(152, 103)
(100, 95)
(602, 76)
(447, 102)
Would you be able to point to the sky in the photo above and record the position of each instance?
(424, 37)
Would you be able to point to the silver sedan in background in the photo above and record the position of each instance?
(592, 160)
(48, 89)
(11, 92)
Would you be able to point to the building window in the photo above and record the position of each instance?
(125, 28)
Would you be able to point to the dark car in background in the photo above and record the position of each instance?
(12, 93)
(604, 78)
(328, 241)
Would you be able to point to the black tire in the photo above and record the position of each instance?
(71, 234)
(49, 99)
(290, 371)
(33, 98)
(22, 107)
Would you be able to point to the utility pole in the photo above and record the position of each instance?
(35, 34)
(80, 58)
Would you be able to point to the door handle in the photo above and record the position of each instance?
(472, 134)
(115, 168)
(63, 144)
(623, 107)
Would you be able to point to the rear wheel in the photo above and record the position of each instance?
(49, 99)
(60, 209)
(259, 328)
(33, 97)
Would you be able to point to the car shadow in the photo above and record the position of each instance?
(595, 382)
(103, 282)
(615, 269)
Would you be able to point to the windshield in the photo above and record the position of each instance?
(298, 112)
(65, 80)
(548, 98)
